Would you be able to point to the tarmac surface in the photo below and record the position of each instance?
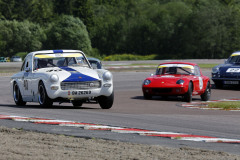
(132, 111)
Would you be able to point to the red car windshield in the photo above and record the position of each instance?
(175, 69)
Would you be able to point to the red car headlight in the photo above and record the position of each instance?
(146, 82)
(180, 81)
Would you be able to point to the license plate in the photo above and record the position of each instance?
(81, 92)
(231, 82)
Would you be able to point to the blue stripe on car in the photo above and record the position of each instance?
(57, 51)
(77, 76)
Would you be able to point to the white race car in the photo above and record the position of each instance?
(56, 76)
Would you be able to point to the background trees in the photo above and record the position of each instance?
(68, 32)
(168, 28)
(20, 36)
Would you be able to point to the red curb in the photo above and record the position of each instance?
(179, 135)
(132, 129)
(57, 123)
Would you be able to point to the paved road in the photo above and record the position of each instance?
(131, 110)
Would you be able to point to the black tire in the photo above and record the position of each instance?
(77, 103)
(207, 93)
(218, 84)
(106, 102)
(43, 98)
(147, 96)
(17, 96)
(188, 96)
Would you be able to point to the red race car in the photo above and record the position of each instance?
(177, 79)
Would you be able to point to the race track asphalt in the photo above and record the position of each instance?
(131, 110)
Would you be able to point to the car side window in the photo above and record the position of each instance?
(27, 64)
(197, 71)
(23, 65)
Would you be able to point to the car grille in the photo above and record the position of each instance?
(80, 85)
(162, 90)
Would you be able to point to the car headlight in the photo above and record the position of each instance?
(146, 82)
(215, 69)
(107, 76)
(54, 78)
(180, 81)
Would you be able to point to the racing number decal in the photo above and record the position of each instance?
(25, 84)
(233, 70)
(80, 92)
(200, 83)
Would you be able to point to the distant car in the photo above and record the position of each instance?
(95, 63)
(227, 73)
(7, 59)
(2, 59)
(56, 76)
(177, 79)
(16, 59)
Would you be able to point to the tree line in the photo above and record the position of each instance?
(169, 28)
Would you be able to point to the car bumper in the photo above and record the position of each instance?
(165, 91)
(54, 93)
(227, 81)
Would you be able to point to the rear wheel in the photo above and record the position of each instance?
(207, 93)
(43, 98)
(17, 96)
(188, 96)
(77, 103)
(106, 102)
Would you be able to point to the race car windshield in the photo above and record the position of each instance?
(59, 60)
(177, 69)
(234, 59)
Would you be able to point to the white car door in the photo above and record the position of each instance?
(27, 78)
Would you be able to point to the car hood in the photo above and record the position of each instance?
(226, 66)
(225, 69)
(71, 74)
(169, 79)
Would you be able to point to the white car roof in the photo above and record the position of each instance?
(55, 51)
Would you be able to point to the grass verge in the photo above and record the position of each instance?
(230, 105)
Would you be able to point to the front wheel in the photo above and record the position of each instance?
(17, 96)
(188, 96)
(43, 98)
(207, 93)
(106, 102)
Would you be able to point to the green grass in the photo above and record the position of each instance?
(144, 64)
(127, 57)
(230, 105)
(207, 65)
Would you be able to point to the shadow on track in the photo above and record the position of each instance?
(164, 98)
(52, 107)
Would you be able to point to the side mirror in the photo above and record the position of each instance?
(225, 61)
(27, 69)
